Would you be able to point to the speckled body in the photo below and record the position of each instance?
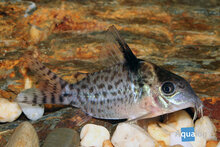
(128, 88)
(110, 93)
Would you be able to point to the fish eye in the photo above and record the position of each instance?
(168, 88)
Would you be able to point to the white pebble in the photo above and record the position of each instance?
(130, 135)
(179, 119)
(93, 135)
(159, 133)
(204, 130)
(9, 111)
(175, 139)
(32, 112)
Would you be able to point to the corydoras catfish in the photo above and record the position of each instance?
(130, 88)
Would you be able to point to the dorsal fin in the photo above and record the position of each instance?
(117, 50)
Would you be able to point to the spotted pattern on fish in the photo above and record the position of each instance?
(129, 89)
(105, 92)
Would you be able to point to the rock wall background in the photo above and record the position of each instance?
(181, 36)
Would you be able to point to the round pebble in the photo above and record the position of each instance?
(9, 111)
(62, 137)
(32, 112)
(93, 135)
(24, 136)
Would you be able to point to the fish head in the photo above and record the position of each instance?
(166, 92)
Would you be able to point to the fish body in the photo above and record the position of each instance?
(130, 88)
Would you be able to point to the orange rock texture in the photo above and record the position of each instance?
(67, 36)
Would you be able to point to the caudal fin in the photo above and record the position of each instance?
(50, 87)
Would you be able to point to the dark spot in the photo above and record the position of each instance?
(120, 99)
(63, 85)
(86, 96)
(141, 84)
(109, 87)
(128, 78)
(55, 87)
(93, 102)
(42, 68)
(91, 90)
(145, 81)
(104, 94)
(99, 110)
(78, 90)
(76, 75)
(101, 102)
(113, 93)
(108, 101)
(88, 80)
(96, 95)
(96, 79)
(80, 100)
(149, 74)
(118, 82)
(72, 103)
(35, 98)
(54, 77)
(92, 110)
(144, 67)
(145, 76)
(25, 99)
(44, 98)
(84, 86)
(101, 86)
(123, 68)
(49, 72)
(101, 77)
(124, 92)
(106, 78)
(3, 13)
(66, 94)
(61, 98)
(129, 88)
(119, 91)
(112, 77)
(115, 72)
(52, 98)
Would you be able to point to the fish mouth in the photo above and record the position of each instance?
(195, 107)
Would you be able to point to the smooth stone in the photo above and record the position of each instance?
(24, 136)
(93, 135)
(179, 119)
(31, 111)
(204, 130)
(158, 133)
(62, 137)
(131, 135)
(9, 111)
